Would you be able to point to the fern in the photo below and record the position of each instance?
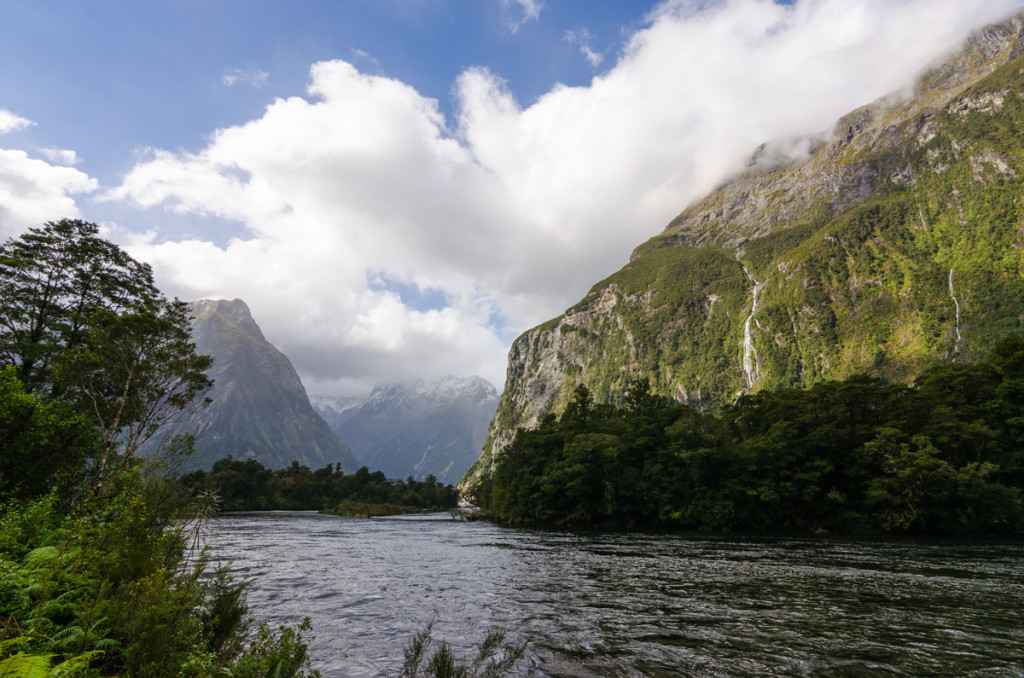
(24, 665)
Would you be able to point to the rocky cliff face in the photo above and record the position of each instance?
(894, 241)
(260, 409)
(423, 428)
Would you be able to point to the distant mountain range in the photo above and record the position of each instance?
(422, 428)
(260, 409)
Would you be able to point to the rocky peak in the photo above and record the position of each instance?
(259, 406)
(785, 177)
(234, 313)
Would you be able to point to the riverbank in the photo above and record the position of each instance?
(355, 509)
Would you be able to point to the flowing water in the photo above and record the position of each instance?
(624, 604)
(952, 295)
(751, 368)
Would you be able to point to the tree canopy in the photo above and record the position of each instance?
(945, 456)
(82, 323)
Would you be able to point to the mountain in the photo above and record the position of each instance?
(418, 429)
(260, 409)
(891, 243)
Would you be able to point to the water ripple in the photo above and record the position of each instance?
(635, 605)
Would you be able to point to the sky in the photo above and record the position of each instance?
(399, 188)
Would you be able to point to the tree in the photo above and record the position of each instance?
(83, 322)
(135, 374)
(578, 410)
(44, 445)
(52, 280)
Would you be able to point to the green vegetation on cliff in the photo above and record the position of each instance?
(896, 246)
(860, 454)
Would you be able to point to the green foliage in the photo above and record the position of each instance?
(99, 571)
(52, 279)
(109, 587)
(82, 322)
(45, 444)
(275, 654)
(247, 485)
(135, 373)
(24, 665)
(859, 454)
(885, 254)
(495, 656)
(355, 509)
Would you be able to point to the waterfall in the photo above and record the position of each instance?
(952, 295)
(750, 366)
(920, 213)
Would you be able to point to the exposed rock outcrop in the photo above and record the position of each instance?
(850, 235)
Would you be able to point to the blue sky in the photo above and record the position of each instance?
(398, 188)
(106, 76)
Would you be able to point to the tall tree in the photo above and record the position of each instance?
(134, 374)
(52, 280)
(82, 321)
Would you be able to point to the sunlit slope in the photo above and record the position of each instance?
(893, 242)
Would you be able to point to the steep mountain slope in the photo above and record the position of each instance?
(890, 243)
(259, 409)
(423, 428)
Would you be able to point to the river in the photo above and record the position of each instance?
(625, 604)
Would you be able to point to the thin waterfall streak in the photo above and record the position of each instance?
(751, 368)
(952, 295)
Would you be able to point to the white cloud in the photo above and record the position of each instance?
(10, 122)
(363, 55)
(581, 38)
(520, 12)
(60, 156)
(33, 192)
(512, 213)
(245, 76)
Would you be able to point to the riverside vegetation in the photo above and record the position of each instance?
(247, 485)
(895, 248)
(945, 456)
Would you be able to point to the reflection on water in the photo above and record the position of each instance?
(595, 604)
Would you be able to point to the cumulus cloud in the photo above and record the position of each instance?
(520, 12)
(508, 213)
(60, 156)
(10, 122)
(33, 191)
(253, 77)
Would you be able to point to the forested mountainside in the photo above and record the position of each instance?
(893, 243)
(260, 409)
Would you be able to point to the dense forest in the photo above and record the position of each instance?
(945, 455)
(101, 570)
(247, 485)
